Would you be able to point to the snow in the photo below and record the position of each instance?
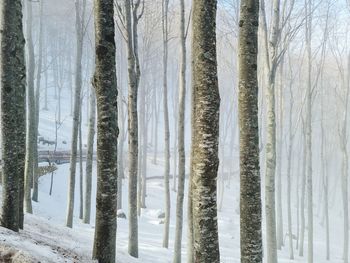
(46, 238)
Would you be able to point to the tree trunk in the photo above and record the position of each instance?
(37, 105)
(250, 196)
(13, 108)
(105, 84)
(205, 124)
(166, 123)
(30, 139)
(181, 139)
(133, 81)
(309, 131)
(289, 184)
(79, 13)
(89, 158)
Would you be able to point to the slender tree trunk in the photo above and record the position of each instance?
(279, 151)
(30, 139)
(250, 196)
(37, 105)
(105, 84)
(289, 184)
(309, 132)
(166, 123)
(13, 109)
(133, 81)
(205, 123)
(302, 198)
(325, 179)
(181, 139)
(89, 159)
(80, 13)
(81, 190)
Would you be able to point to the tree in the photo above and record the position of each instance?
(105, 84)
(250, 196)
(30, 135)
(37, 104)
(90, 153)
(308, 30)
(13, 109)
(129, 20)
(79, 24)
(205, 122)
(165, 27)
(181, 138)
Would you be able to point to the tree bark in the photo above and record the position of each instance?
(105, 84)
(181, 139)
(205, 124)
(79, 13)
(13, 109)
(37, 104)
(166, 123)
(89, 159)
(30, 139)
(250, 192)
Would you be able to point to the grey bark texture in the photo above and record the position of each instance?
(30, 135)
(13, 108)
(250, 192)
(105, 83)
(205, 124)
(181, 139)
(90, 153)
(79, 23)
(165, 11)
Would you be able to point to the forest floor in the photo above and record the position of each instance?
(45, 238)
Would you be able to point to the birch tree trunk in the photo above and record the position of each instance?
(250, 196)
(181, 139)
(205, 124)
(30, 135)
(166, 123)
(13, 109)
(79, 13)
(89, 159)
(105, 84)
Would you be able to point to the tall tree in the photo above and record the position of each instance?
(308, 30)
(30, 135)
(37, 104)
(13, 108)
(89, 158)
(181, 138)
(129, 16)
(165, 27)
(204, 154)
(79, 24)
(105, 83)
(250, 193)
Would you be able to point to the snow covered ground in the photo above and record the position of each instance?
(46, 239)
